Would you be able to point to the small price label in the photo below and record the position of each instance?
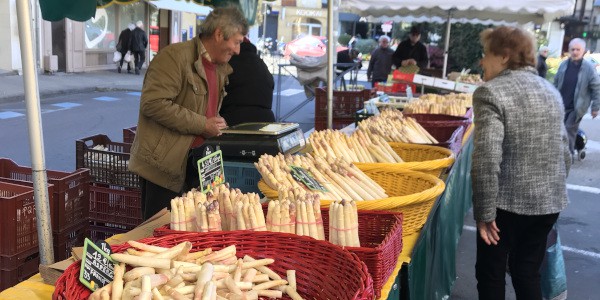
(97, 268)
(306, 177)
(210, 171)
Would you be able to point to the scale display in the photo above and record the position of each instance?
(248, 141)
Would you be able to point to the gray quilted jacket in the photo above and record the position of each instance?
(520, 156)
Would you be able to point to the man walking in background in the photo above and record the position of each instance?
(579, 86)
(137, 45)
(123, 46)
(380, 64)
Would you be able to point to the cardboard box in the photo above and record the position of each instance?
(444, 84)
(465, 87)
(424, 80)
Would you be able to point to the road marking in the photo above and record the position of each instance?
(67, 104)
(105, 98)
(291, 92)
(9, 114)
(565, 248)
(581, 188)
(135, 94)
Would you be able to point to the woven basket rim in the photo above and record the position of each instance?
(366, 282)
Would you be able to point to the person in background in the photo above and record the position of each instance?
(518, 190)
(250, 89)
(123, 45)
(182, 92)
(411, 51)
(579, 86)
(137, 45)
(542, 67)
(380, 64)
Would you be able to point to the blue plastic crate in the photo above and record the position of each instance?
(243, 176)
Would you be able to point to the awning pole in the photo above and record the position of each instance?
(36, 143)
(330, 52)
(447, 44)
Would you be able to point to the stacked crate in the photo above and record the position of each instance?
(115, 199)
(69, 197)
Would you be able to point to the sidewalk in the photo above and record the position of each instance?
(11, 85)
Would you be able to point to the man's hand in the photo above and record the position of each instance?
(213, 126)
(488, 232)
(594, 114)
(409, 62)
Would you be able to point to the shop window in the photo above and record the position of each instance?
(100, 32)
(306, 26)
(131, 13)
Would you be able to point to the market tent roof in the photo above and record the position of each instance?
(520, 11)
(184, 6)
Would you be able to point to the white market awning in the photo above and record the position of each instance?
(181, 5)
(520, 11)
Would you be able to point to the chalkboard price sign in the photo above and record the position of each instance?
(306, 177)
(210, 170)
(97, 268)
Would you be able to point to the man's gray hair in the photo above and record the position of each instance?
(544, 49)
(384, 37)
(229, 20)
(577, 41)
(139, 24)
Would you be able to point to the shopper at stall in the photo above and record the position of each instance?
(579, 86)
(137, 45)
(542, 67)
(380, 64)
(411, 51)
(518, 190)
(182, 92)
(250, 89)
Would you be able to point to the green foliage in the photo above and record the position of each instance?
(344, 39)
(464, 50)
(365, 46)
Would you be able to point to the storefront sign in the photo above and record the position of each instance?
(309, 13)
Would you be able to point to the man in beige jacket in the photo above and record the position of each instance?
(181, 97)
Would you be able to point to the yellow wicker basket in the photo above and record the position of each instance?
(410, 192)
(423, 158)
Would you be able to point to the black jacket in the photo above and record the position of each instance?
(138, 40)
(250, 89)
(417, 52)
(542, 67)
(123, 43)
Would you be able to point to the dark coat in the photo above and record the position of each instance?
(417, 52)
(542, 67)
(380, 65)
(250, 90)
(138, 40)
(123, 43)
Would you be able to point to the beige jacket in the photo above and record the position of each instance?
(172, 113)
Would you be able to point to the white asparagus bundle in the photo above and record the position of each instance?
(341, 179)
(281, 216)
(359, 147)
(394, 127)
(199, 275)
(343, 223)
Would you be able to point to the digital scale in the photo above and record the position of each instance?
(248, 141)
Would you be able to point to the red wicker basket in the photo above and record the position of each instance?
(323, 270)
(380, 235)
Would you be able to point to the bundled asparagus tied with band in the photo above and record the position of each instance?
(359, 147)
(296, 211)
(195, 211)
(343, 223)
(394, 127)
(176, 273)
(341, 179)
(221, 209)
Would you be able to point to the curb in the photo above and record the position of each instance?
(47, 94)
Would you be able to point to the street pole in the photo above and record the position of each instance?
(330, 57)
(36, 140)
(264, 23)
